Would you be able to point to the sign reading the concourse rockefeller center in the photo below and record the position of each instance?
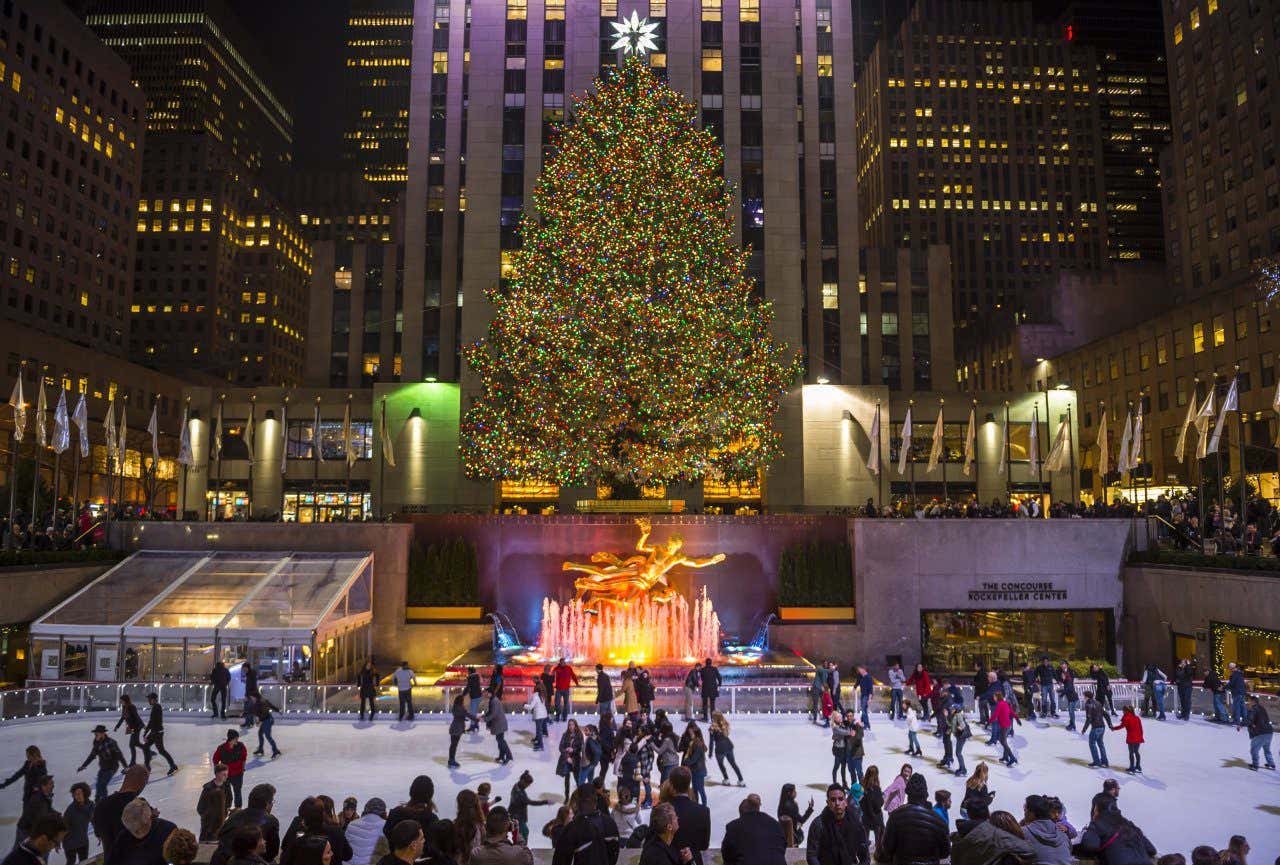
(1017, 591)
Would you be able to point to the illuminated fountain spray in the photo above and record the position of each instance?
(644, 631)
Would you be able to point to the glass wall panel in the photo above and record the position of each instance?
(956, 641)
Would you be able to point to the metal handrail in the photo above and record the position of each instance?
(1159, 519)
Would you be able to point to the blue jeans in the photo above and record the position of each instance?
(960, 743)
(586, 773)
(105, 776)
(1159, 689)
(700, 786)
(855, 768)
(1220, 708)
(913, 742)
(1097, 749)
(562, 705)
(1256, 743)
(539, 731)
(1072, 706)
(866, 721)
(1237, 709)
(264, 733)
(1048, 700)
(895, 704)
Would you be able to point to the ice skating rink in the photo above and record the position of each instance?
(1197, 789)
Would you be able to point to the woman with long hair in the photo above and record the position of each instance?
(459, 716)
(32, 770)
(442, 845)
(896, 793)
(330, 811)
(695, 757)
(722, 746)
(313, 850)
(923, 684)
(872, 804)
(789, 809)
(570, 762)
(468, 825)
(132, 726)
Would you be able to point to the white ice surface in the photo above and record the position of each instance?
(1197, 788)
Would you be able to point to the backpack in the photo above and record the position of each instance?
(964, 732)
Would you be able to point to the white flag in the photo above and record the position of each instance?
(81, 419)
(1059, 455)
(969, 434)
(42, 407)
(153, 427)
(1229, 404)
(284, 437)
(1104, 447)
(1180, 449)
(61, 425)
(873, 461)
(388, 449)
(904, 449)
(1123, 463)
(348, 444)
(1135, 449)
(185, 457)
(122, 444)
(217, 432)
(18, 403)
(1002, 465)
(1033, 444)
(935, 449)
(317, 452)
(249, 430)
(1203, 418)
(109, 430)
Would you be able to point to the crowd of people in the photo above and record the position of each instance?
(631, 780)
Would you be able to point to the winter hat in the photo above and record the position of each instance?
(376, 806)
(917, 789)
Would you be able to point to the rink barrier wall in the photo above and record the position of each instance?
(302, 701)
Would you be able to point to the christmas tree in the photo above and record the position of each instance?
(627, 344)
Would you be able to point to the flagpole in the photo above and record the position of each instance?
(13, 471)
(216, 447)
(35, 460)
(1075, 478)
(108, 430)
(284, 456)
(941, 406)
(1200, 512)
(347, 445)
(75, 486)
(155, 470)
(120, 453)
(1103, 444)
(1244, 468)
(977, 472)
(315, 465)
(911, 460)
(253, 442)
(382, 463)
(1008, 459)
(1048, 414)
(186, 426)
(1217, 454)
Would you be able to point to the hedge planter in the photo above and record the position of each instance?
(443, 614)
(815, 614)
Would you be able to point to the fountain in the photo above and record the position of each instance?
(643, 631)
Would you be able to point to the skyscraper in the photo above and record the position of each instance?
(379, 47)
(978, 127)
(223, 269)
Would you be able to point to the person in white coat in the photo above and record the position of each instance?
(364, 833)
(913, 727)
(537, 709)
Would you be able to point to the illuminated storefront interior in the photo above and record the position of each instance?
(958, 640)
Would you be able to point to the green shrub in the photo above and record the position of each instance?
(816, 574)
(443, 574)
(1081, 667)
(1200, 560)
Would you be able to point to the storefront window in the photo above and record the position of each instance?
(327, 507)
(956, 641)
(1256, 650)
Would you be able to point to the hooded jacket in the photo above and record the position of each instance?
(1050, 843)
(986, 844)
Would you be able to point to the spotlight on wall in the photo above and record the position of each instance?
(431, 379)
(822, 379)
(1062, 385)
(847, 415)
(271, 415)
(991, 418)
(416, 414)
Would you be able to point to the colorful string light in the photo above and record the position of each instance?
(626, 343)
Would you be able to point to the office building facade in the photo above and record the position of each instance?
(376, 84)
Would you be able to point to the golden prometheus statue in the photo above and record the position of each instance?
(615, 581)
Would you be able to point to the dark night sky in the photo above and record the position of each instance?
(302, 40)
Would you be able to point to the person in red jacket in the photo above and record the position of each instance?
(1132, 726)
(566, 678)
(1002, 718)
(923, 684)
(232, 754)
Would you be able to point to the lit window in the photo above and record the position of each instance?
(1197, 337)
(1177, 34)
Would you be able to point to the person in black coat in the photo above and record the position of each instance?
(107, 812)
(644, 690)
(141, 841)
(914, 833)
(219, 682)
(710, 680)
(789, 807)
(458, 726)
(694, 830)
(1103, 689)
(474, 689)
(153, 735)
(604, 691)
(591, 838)
(31, 771)
(837, 836)
(46, 836)
(754, 838)
(658, 849)
(38, 804)
(257, 814)
(367, 681)
(310, 822)
(1110, 838)
(132, 722)
(1184, 679)
(419, 807)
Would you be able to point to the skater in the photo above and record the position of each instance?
(405, 680)
(1047, 678)
(458, 726)
(31, 771)
(249, 675)
(692, 684)
(153, 734)
(895, 795)
(913, 730)
(267, 722)
(1069, 694)
(922, 684)
(219, 682)
(1238, 687)
(947, 750)
(1132, 726)
(839, 749)
(854, 750)
(833, 679)
(789, 808)
(1002, 720)
(572, 745)
(710, 680)
(980, 685)
(961, 733)
(39, 804)
(474, 689)
(865, 685)
(828, 706)
(816, 689)
(591, 754)
(695, 759)
(604, 690)
(110, 760)
(897, 679)
(537, 708)
(630, 698)
(1217, 693)
(1260, 733)
(644, 691)
(367, 681)
(497, 680)
(1102, 688)
(520, 802)
(79, 818)
(722, 747)
(566, 678)
(1095, 726)
(1183, 679)
(495, 718)
(233, 754)
(132, 722)
(1153, 685)
(213, 805)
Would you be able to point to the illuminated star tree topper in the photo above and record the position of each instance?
(634, 35)
(626, 343)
